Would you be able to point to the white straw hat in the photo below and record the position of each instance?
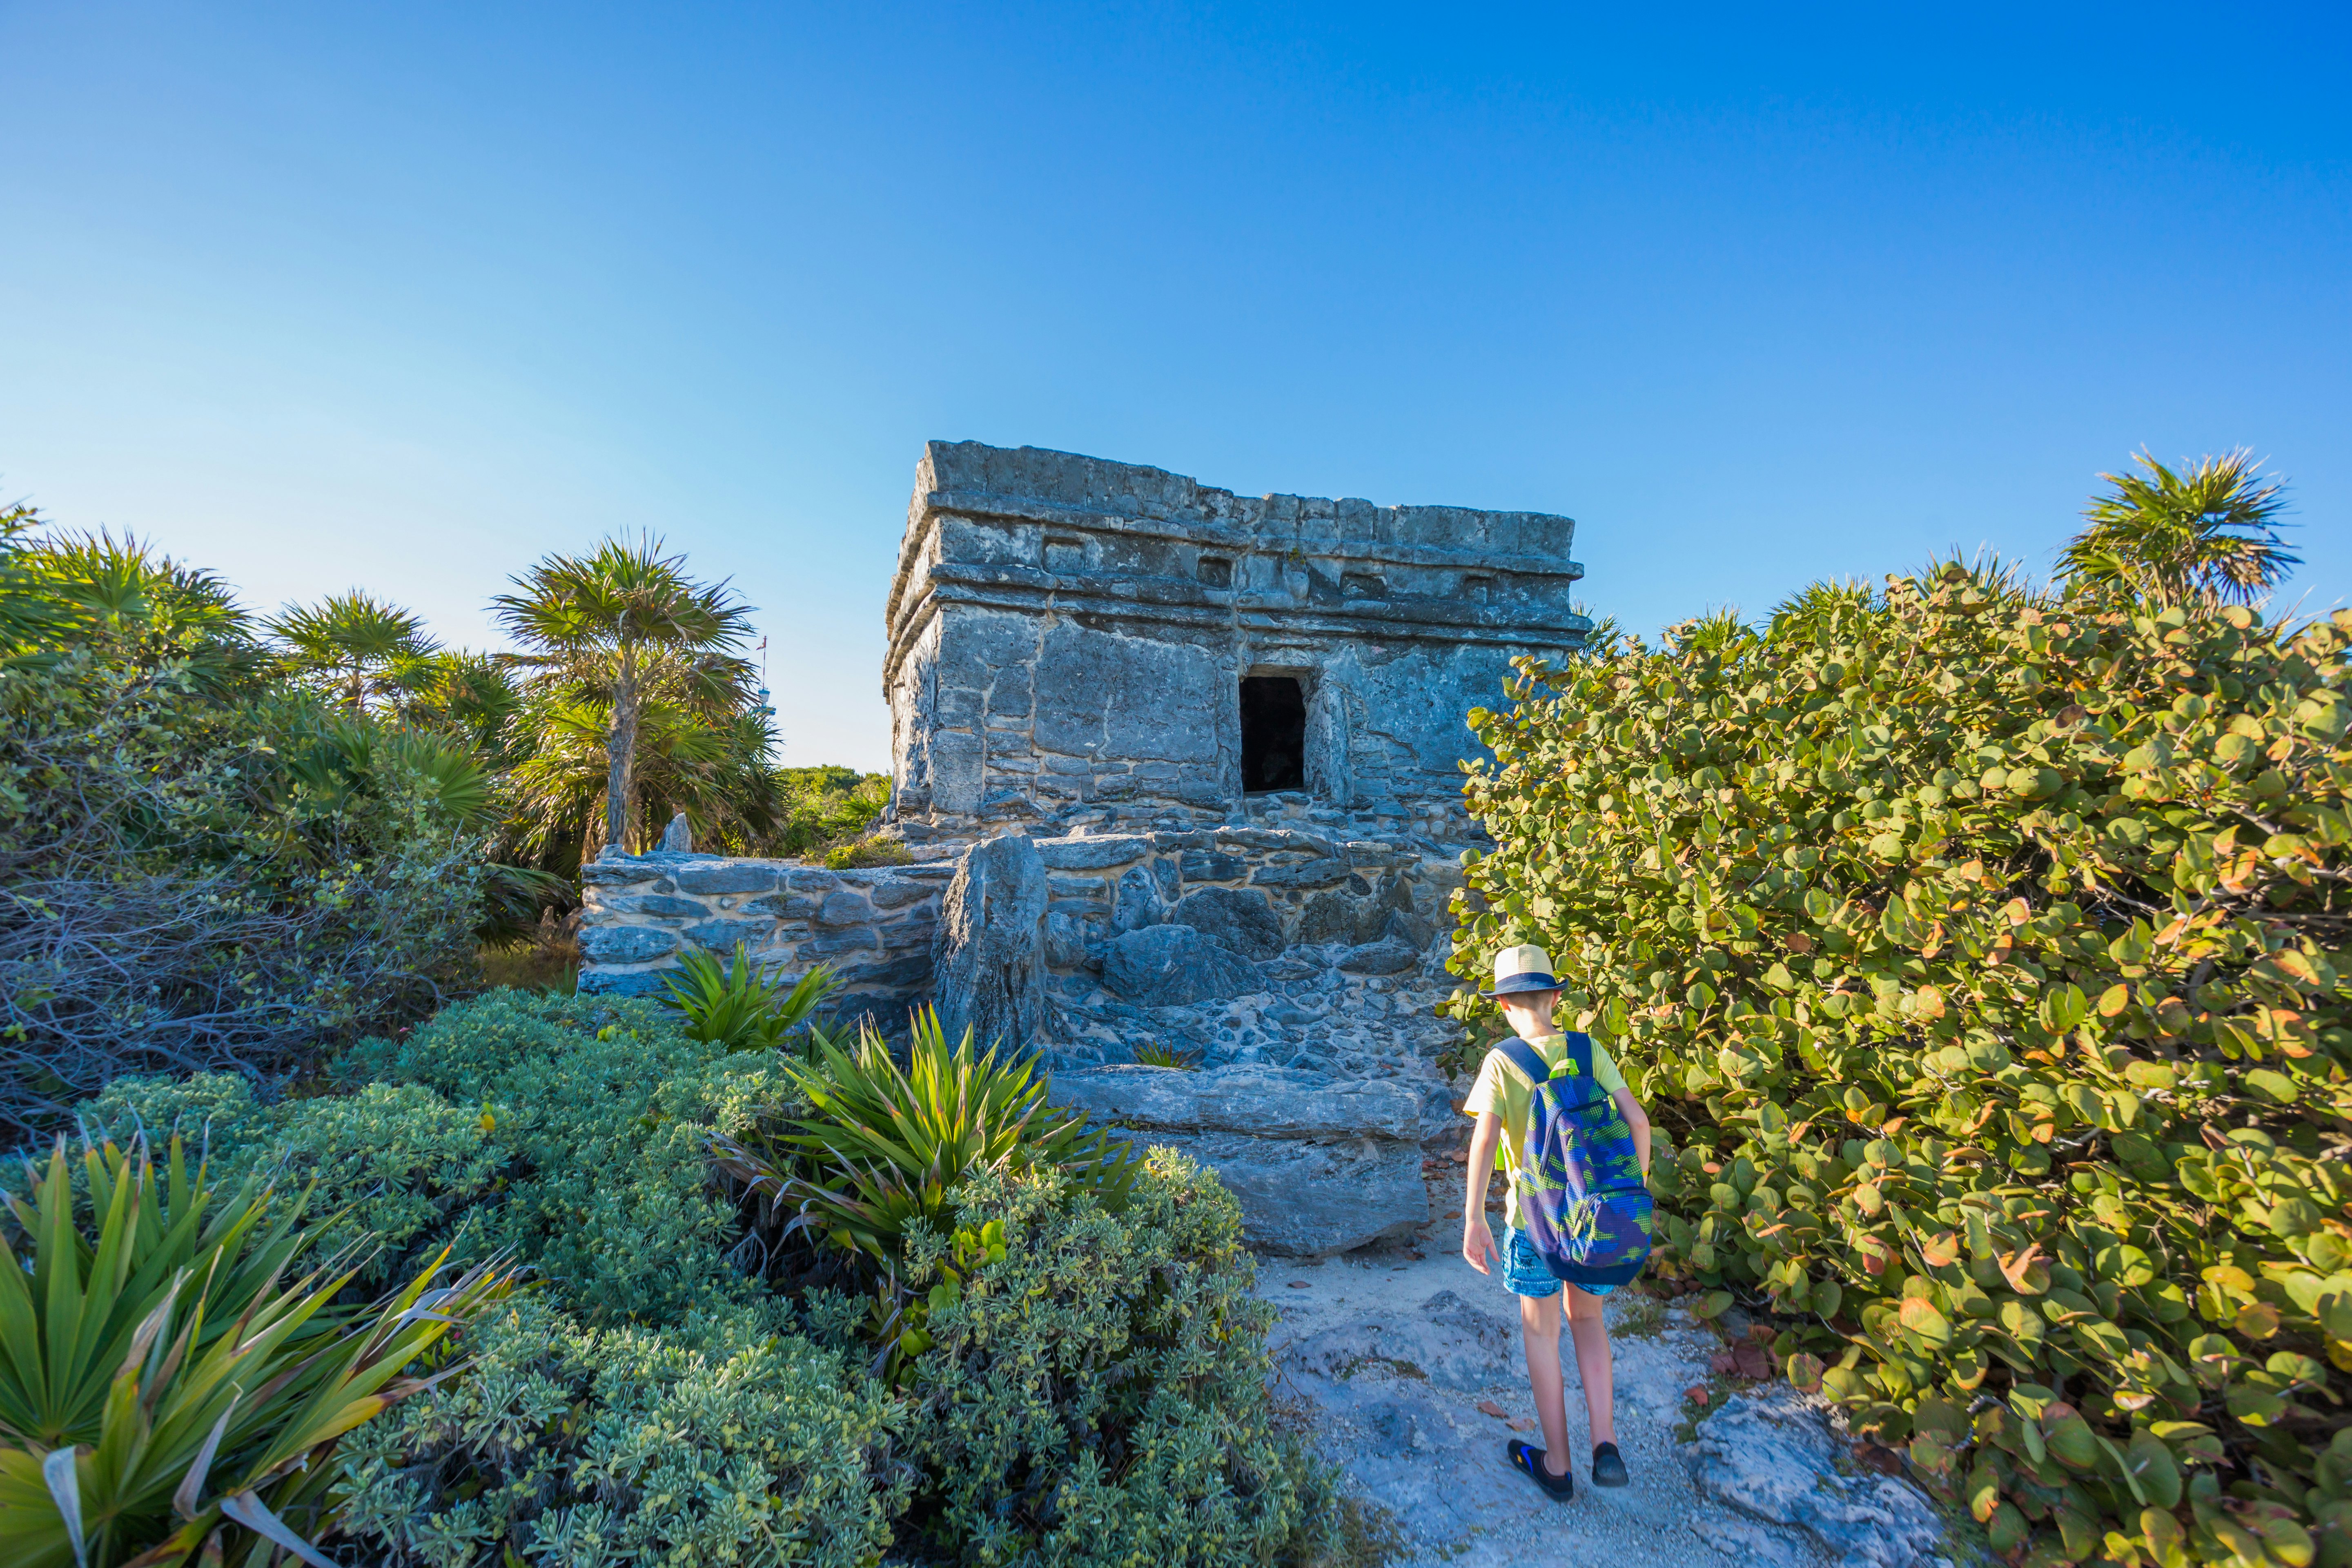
(1523, 969)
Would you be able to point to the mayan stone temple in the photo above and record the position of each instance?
(1173, 768)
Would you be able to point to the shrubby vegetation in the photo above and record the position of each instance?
(1049, 1351)
(1983, 949)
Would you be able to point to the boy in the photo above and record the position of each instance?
(1528, 993)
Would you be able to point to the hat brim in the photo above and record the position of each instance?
(1530, 981)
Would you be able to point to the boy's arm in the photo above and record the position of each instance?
(1477, 1240)
(1638, 1121)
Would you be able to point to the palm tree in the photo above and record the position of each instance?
(625, 620)
(351, 641)
(2208, 535)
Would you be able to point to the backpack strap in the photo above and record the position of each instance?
(1531, 1066)
(1579, 1051)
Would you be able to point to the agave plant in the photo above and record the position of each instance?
(736, 1004)
(882, 1148)
(164, 1398)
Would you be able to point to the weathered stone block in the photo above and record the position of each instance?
(988, 956)
(626, 944)
(720, 936)
(1091, 853)
(1208, 866)
(635, 983)
(1234, 918)
(785, 906)
(847, 939)
(657, 904)
(808, 879)
(1174, 965)
(724, 878)
(1387, 956)
(894, 893)
(1318, 873)
(845, 908)
(1138, 902)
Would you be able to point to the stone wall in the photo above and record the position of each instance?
(1065, 630)
(874, 926)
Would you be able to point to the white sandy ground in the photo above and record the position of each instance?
(1391, 1373)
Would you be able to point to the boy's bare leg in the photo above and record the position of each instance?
(1539, 1322)
(1594, 1367)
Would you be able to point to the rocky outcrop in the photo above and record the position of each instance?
(1772, 1454)
(988, 961)
(1174, 966)
(1317, 1166)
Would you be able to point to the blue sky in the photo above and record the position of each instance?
(405, 296)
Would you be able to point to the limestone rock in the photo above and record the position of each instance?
(624, 944)
(1773, 1454)
(988, 955)
(1448, 1342)
(1302, 1198)
(677, 838)
(1172, 966)
(1093, 853)
(1268, 1103)
(1390, 955)
(1241, 922)
(1316, 1166)
(724, 876)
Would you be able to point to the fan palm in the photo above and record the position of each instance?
(621, 614)
(84, 590)
(2208, 534)
(351, 641)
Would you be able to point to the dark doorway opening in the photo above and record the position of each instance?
(1273, 734)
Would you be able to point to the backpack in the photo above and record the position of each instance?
(1582, 1200)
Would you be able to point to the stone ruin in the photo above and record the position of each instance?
(1172, 769)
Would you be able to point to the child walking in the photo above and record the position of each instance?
(1500, 1100)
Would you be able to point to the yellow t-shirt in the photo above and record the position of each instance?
(1501, 1089)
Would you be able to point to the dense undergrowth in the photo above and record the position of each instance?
(1984, 951)
(1034, 1364)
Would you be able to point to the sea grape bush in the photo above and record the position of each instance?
(1986, 951)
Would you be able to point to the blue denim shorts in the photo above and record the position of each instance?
(1526, 1275)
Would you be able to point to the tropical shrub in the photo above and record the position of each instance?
(571, 1133)
(739, 1005)
(871, 1151)
(163, 1396)
(189, 883)
(1985, 950)
(825, 805)
(871, 850)
(1093, 1389)
(722, 1438)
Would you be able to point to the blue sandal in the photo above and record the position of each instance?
(1530, 1462)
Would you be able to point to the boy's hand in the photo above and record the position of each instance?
(1478, 1242)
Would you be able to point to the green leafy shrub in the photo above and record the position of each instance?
(1986, 949)
(874, 1151)
(163, 1396)
(570, 1132)
(722, 1439)
(1093, 1392)
(737, 1004)
(873, 850)
(825, 805)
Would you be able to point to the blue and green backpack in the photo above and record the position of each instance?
(1583, 1201)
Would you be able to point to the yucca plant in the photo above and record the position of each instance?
(164, 1398)
(738, 1005)
(882, 1148)
(1155, 1055)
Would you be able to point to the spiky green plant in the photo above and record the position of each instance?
(881, 1152)
(163, 1397)
(1155, 1055)
(737, 1004)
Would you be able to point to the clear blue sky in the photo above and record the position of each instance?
(404, 296)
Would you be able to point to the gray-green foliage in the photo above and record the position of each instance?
(719, 1439)
(1095, 1390)
(571, 1131)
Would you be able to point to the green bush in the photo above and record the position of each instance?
(722, 1439)
(572, 1132)
(1095, 1389)
(1986, 949)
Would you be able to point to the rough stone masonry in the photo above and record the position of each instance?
(1175, 769)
